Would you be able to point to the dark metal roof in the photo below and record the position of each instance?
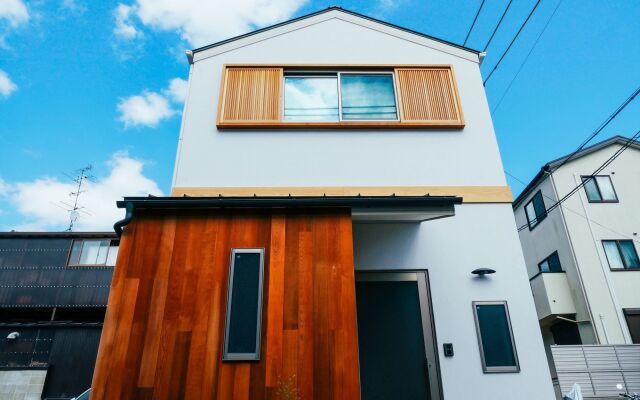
(289, 201)
(57, 235)
(333, 8)
(552, 165)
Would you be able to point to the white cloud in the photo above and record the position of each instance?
(202, 22)
(147, 109)
(177, 90)
(74, 6)
(14, 12)
(6, 84)
(38, 201)
(150, 108)
(124, 27)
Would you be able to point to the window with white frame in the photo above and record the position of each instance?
(340, 96)
(599, 189)
(621, 254)
(93, 252)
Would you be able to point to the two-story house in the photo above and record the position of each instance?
(582, 257)
(339, 228)
(54, 288)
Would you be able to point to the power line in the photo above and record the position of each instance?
(474, 23)
(600, 128)
(600, 168)
(526, 58)
(564, 207)
(595, 133)
(512, 41)
(497, 26)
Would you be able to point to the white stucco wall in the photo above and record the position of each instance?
(208, 157)
(608, 291)
(480, 235)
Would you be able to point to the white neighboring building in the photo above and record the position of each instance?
(582, 258)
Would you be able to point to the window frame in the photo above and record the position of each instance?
(501, 369)
(628, 312)
(226, 355)
(620, 253)
(536, 219)
(69, 264)
(583, 178)
(338, 75)
(547, 259)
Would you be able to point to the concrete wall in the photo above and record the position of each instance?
(608, 291)
(450, 248)
(22, 384)
(254, 158)
(548, 236)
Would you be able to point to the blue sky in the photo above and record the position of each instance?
(101, 83)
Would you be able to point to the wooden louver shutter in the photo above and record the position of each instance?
(428, 95)
(251, 94)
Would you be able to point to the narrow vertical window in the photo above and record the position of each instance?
(244, 305)
(535, 210)
(495, 337)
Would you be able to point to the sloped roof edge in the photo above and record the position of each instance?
(333, 8)
(618, 139)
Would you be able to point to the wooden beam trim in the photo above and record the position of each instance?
(469, 194)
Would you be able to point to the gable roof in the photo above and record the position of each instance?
(552, 165)
(329, 9)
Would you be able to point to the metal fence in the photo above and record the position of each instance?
(598, 369)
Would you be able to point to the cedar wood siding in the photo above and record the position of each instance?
(164, 327)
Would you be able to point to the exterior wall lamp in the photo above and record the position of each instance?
(481, 272)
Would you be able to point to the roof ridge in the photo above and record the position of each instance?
(328, 9)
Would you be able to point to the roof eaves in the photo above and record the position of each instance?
(333, 8)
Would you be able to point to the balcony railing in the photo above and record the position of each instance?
(598, 369)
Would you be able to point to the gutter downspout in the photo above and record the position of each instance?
(118, 226)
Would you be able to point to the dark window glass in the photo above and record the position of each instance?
(244, 305)
(633, 322)
(367, 96)
(496, 343)
(599, 189)
(621, 254)
(551, 264)
(535, 210)
(565, 333)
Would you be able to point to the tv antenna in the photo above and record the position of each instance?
(74, 208)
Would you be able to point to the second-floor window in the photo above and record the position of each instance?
(551, 263)
(535, 210)
(93, 252)
(621, 254)
(339, 96)
(599, 189)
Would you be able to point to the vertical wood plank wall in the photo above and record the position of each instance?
(163, 332)
(428, 95)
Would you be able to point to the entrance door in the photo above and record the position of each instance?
(395, 335)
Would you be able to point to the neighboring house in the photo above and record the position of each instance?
(53, 293)
(329, 205)
(582, 257)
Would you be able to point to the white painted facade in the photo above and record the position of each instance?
(576, 231)
(479, 235)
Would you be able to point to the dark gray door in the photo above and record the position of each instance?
(397, 356)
